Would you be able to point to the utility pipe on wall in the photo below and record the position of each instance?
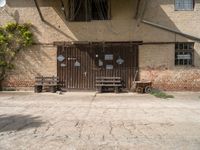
(39, 11)
(170, 30)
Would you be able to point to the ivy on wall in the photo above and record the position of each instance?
(14, 38)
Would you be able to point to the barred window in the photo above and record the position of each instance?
(99, 9)
(184, 4)
(86, 10)
(78, 10)
(184, 53)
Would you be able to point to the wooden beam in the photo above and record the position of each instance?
(39, 11)
(157, 43)
(61, 43)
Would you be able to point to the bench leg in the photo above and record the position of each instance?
(38, 89)
(116, 89)
(99, 89)
(53, 89)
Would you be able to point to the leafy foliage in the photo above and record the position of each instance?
(14, 37)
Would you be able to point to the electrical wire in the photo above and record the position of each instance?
(75, 8)
(104, 7)
(101, 11)
(63, 8)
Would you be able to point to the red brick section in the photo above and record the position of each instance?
(171, 80)
(178, 86)
(18, 83)
(174, 80)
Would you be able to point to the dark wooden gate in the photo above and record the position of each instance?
(79, 65)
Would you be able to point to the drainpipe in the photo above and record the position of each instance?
(140, 19)
(63, 9)
(39, 11)
(141, 8)
(170, 30)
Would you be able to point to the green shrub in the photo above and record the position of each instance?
(14, 37)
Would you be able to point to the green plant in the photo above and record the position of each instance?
(161, 94)
(14, 37)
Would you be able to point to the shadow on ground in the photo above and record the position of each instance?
(18, 122)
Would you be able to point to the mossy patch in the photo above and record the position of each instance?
(161, 94)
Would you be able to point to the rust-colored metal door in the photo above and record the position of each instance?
(79, 65)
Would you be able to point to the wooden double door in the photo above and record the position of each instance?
(79, 65)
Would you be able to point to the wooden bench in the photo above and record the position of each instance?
(108, 82)
(50, 83)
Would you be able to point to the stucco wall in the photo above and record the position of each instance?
(159, 59)
(35, 61)
(122, 26)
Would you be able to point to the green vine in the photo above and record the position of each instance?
(14, 37)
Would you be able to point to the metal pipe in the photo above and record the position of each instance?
(137, 9)
(170, 30)
(39, 11)
(141, 8)
(63, 8)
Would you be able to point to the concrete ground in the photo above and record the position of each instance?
(87, 121)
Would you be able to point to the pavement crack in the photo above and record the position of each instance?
(35, 131)
(88, 137)
(111, 131)
(77, 123)
(103, 138)
(127, 129)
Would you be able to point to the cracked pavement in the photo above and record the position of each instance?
(88, 121)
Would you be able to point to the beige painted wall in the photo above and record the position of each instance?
(36, 61)
(122, 27)
(41, 60)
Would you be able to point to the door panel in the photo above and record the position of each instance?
(83, 63)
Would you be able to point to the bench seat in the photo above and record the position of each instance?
(51, 83)
(109, 85)
(108, 82)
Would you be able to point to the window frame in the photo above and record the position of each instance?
(184, 50)
(175, 8)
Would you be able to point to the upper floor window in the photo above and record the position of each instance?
(99, 9)
(86, 10)
(78, 10)
(184, 54)
(184, 4)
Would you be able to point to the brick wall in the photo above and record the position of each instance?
(36, 61)
(157, 65)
